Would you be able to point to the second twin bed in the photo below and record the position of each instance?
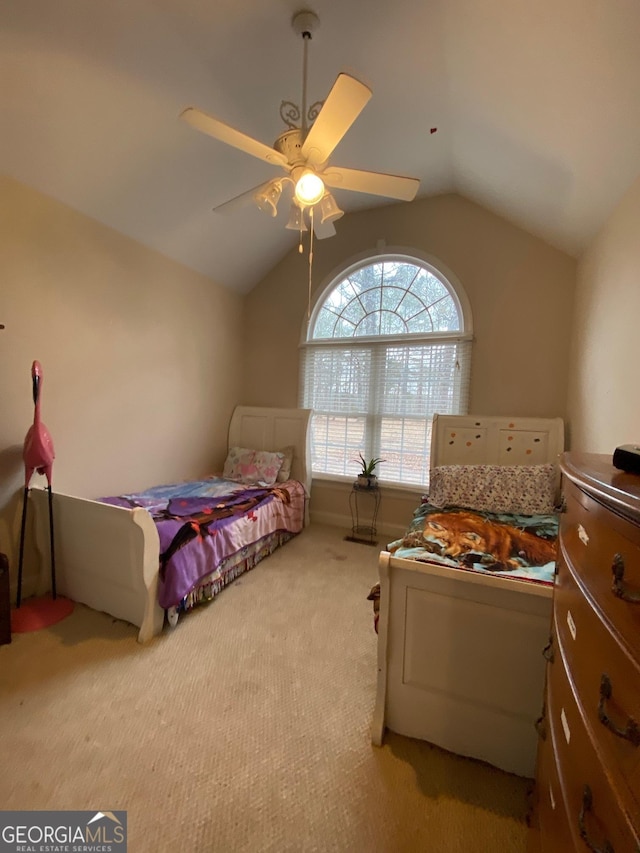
(465, 594)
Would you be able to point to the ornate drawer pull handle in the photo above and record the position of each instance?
(547, 652)
(587, 804)
(618, 587)
(630, 732)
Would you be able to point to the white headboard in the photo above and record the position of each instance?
(264, 428)
(475, 440)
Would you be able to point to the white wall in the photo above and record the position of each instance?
(141, 357)
(604, 388)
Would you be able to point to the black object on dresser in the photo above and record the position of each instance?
(587, 794)
(627, 458)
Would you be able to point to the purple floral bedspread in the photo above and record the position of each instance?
(202, 522)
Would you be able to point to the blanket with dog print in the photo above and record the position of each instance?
(522, 546)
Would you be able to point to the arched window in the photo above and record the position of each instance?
(388, 346)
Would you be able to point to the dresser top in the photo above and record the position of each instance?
(595, 473)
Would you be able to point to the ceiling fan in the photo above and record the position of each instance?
(304, 149)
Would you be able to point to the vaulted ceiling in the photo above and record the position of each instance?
(536, 105)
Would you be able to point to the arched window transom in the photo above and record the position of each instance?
(387, 298)
(387, 347)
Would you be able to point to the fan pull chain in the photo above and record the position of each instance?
(310, 263)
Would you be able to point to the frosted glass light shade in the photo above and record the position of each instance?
(309, 189)
(296, 218)
(267, 199)
(329, 210)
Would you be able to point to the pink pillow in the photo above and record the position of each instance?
(238, 464)
(252, 467)
(267, 466)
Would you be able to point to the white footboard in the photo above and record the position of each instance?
(460, 660)
(107, 557)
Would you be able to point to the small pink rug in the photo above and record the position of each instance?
(37, 613)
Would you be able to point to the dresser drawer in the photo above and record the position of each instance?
(554, 835)
(606, 679)
(592, 794)
(596, 540)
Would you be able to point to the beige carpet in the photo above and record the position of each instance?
(244, 729)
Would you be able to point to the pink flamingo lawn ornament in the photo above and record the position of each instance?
(38, 455)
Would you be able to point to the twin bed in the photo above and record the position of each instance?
(146, 556)
(463, 617)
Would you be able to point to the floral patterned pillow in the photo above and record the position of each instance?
(516, 489)
(252, 467)
(238, 463)
(267, 465)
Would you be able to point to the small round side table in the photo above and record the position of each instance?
(364, 503)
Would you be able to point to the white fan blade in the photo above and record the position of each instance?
(225, 133)
(240, 200)
(322, 230)
(374, 183)
(343, 105)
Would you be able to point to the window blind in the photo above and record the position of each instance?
(379, 398)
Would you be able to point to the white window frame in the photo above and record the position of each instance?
(465, 333)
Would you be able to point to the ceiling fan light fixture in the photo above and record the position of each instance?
(267, 198)
(309, 188)
(296, 218)
(329, 210)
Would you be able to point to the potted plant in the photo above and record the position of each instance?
(367, 479)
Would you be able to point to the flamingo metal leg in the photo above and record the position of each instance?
(22, 532)
(53, 553)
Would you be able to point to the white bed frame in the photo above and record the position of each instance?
(460, 659)
(108, 556)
